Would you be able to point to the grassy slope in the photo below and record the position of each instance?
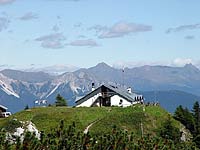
(125, 118)
(130, 119)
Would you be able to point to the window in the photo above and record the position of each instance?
(120, 102)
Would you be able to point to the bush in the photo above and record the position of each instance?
(169, 131)
(68, 138)
(12, 125)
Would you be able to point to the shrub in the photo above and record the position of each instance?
(12, 125)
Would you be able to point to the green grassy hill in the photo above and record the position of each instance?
(130, 118)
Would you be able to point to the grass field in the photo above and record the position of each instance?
(132, 119)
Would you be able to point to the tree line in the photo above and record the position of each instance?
(191, 120)
(60, 101)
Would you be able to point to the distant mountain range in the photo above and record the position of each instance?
(171, 99)
(170, 86)
(53, 70)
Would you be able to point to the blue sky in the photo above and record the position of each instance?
(85, 32)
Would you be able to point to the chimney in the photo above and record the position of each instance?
(93, 87)
(129, 90)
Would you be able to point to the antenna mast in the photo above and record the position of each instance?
(123, 77)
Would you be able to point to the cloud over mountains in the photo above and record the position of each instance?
(177, 62)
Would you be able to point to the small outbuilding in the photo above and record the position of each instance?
(3, 112)
(41, 103)
(107, 95)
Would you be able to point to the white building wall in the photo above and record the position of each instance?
(90, 101)
(115, 101)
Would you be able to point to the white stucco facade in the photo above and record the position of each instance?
(90, 101)
(117, 100)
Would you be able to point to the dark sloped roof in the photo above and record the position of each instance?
(89, 95)
(123, 93)
(1, 106)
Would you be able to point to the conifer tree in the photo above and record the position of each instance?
(26, 107)
(185, 117)
(196, 114)
(179, 113)
(169, 131)
(60, 101)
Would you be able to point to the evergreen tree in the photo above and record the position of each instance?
(185, 117)
(60, 101)
(179, 114)
(26, 107)
(197, 140)
(169, 131)
(191, 120)
(196, 115)
(2, 138)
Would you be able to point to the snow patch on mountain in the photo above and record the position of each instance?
(74, 87)
(53, 90)
(5, 84)
(9, 92)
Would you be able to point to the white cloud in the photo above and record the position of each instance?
(88, 42)
(120, 29)
(2, 67)
(132, 64)
(81, 36)
(98, 28)
(179, 62)
(78, 25)
(183, 28)
(51, 37)
(56, 28)
(29, 16)
(52, 41)
(52, 44)
(72, 0)
(4, 22)
(189, 37)
(2, 2)
(55, 69)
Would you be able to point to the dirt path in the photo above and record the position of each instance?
(88, 127)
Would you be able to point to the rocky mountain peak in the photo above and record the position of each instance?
(190, 66)
(102, 65)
